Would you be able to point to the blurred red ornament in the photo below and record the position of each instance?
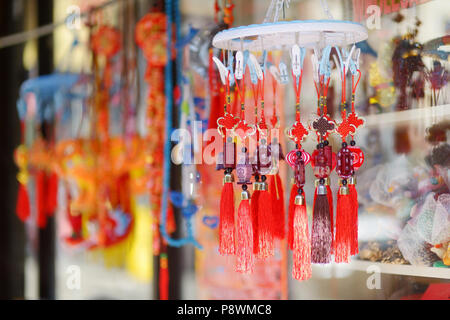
(149, 25)
(106, 41)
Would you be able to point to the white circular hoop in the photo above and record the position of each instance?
(284, 34)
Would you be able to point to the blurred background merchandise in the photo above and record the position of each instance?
(404, 197)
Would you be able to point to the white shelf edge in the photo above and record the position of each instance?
(401, 269)
(436, 112)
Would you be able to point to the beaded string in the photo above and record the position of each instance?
(167, 145)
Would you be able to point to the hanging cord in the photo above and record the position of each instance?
(227, 105)
(256, 91)
(241, 93)
(274, 91)
(167, 145)
(325, 96)
(322, 93)
(263, 116)
(297, 84)
(354, 86)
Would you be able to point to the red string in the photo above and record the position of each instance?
(256, 97)
(274, 90)
(263, 116)
(298, 88)
(241, 94)
(325, 108)
(343, 87)
(227, 103)
(354, 86)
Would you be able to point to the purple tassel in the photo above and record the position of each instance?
(321, 231)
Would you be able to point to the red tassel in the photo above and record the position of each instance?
(343, 227)
(163, 277)
(23, 203)
(330, 202)
(244, 249)
(51, 200)
(291, 210)
(321, 230)
(254, 210)
(354, 222)
(76, 224)
(41, 200)
(226, 223)
(171, 225)
(265, 223)
(277, 194)
(302, 245)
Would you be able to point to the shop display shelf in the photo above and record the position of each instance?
(401, 269)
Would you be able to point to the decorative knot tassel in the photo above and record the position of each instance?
(265, 222)
(244, 249)
(278, 213)
(343, 226)
(321, 229)
(254, 212)
(354, 239)
(302, 245)
(23, 203)
(226, 223)
(291, 210)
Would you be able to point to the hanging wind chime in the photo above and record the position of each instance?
(260, 215)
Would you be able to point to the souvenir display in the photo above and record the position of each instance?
(210, 157)
(317, 247)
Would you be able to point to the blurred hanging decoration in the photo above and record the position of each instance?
(157, 34)
(297, 36)
(438, 74)
(151, 37)
(406, 61)
(74, 149)
(111, 214)
(38, 105)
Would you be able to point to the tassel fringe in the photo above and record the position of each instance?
(354, 240)
(291, 210)
(330, 202)
(226, 223)
(244, 249)
(265, 225)
(278, 213)
(321, 231)
(254, 212)
(302, 245)
(343, 228)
